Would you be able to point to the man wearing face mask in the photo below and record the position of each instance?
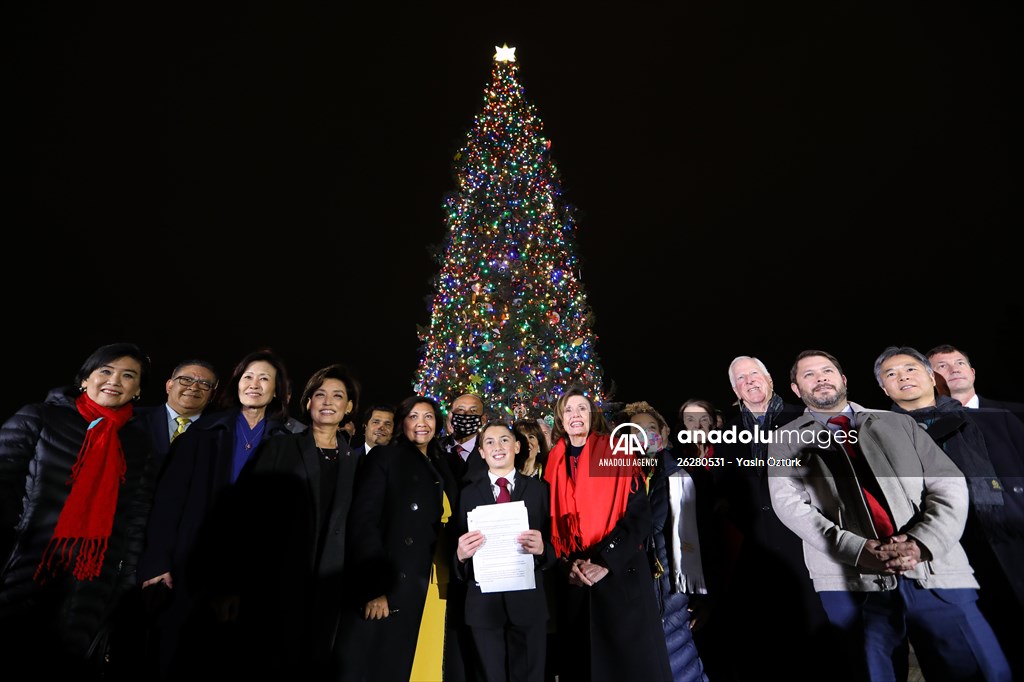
(465, 418)
(464, 421)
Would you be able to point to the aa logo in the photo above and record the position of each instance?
(629, 439)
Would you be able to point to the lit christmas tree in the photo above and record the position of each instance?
(509, 320)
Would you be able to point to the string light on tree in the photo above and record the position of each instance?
(509, 318)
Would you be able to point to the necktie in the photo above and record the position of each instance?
(503, 493)
(461, 452)
(879, 515)
(183, 423)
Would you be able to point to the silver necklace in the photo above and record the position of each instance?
(257, 433)
(328, 454)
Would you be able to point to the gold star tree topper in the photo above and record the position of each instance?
(504, 53)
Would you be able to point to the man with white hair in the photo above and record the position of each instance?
(768, 569)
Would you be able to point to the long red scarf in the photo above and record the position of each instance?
(585, 510)
(84, 526)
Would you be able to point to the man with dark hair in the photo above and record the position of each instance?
(880, 510)
(988, 447)
(190, 387)
(378, 426)
(955, 367)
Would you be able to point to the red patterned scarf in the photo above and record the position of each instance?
(584, 510)
(84, 526)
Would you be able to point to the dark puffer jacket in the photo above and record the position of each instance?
(684, 659)
(63, 624)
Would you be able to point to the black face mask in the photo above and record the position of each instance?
(466, 424)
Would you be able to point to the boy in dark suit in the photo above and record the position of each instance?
(509, 628)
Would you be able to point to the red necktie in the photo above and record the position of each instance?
(503, 493)
(879, 515)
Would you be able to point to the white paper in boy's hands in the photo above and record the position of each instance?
(501, 564)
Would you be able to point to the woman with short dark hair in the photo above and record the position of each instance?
(289, 535)
(76, 484)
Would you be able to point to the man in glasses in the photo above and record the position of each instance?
(189, 390)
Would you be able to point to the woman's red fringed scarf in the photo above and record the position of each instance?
(84, 526)
(585, 510)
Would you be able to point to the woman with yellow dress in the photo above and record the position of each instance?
(402, 498)
(428, 664)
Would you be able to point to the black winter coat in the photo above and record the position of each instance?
(394, 526)
(986, 445)
(766, 589)
(612, 631)
(62, 626)
(290, 552)
(186, 535)
(189, 493)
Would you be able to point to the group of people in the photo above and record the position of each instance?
(216, 534)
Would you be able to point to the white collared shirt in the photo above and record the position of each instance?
(974, 403)
(494, 483)
(823, 417)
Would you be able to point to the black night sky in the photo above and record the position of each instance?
(749, 177)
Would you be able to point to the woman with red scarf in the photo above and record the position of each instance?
(76, 483)
(609, 624)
